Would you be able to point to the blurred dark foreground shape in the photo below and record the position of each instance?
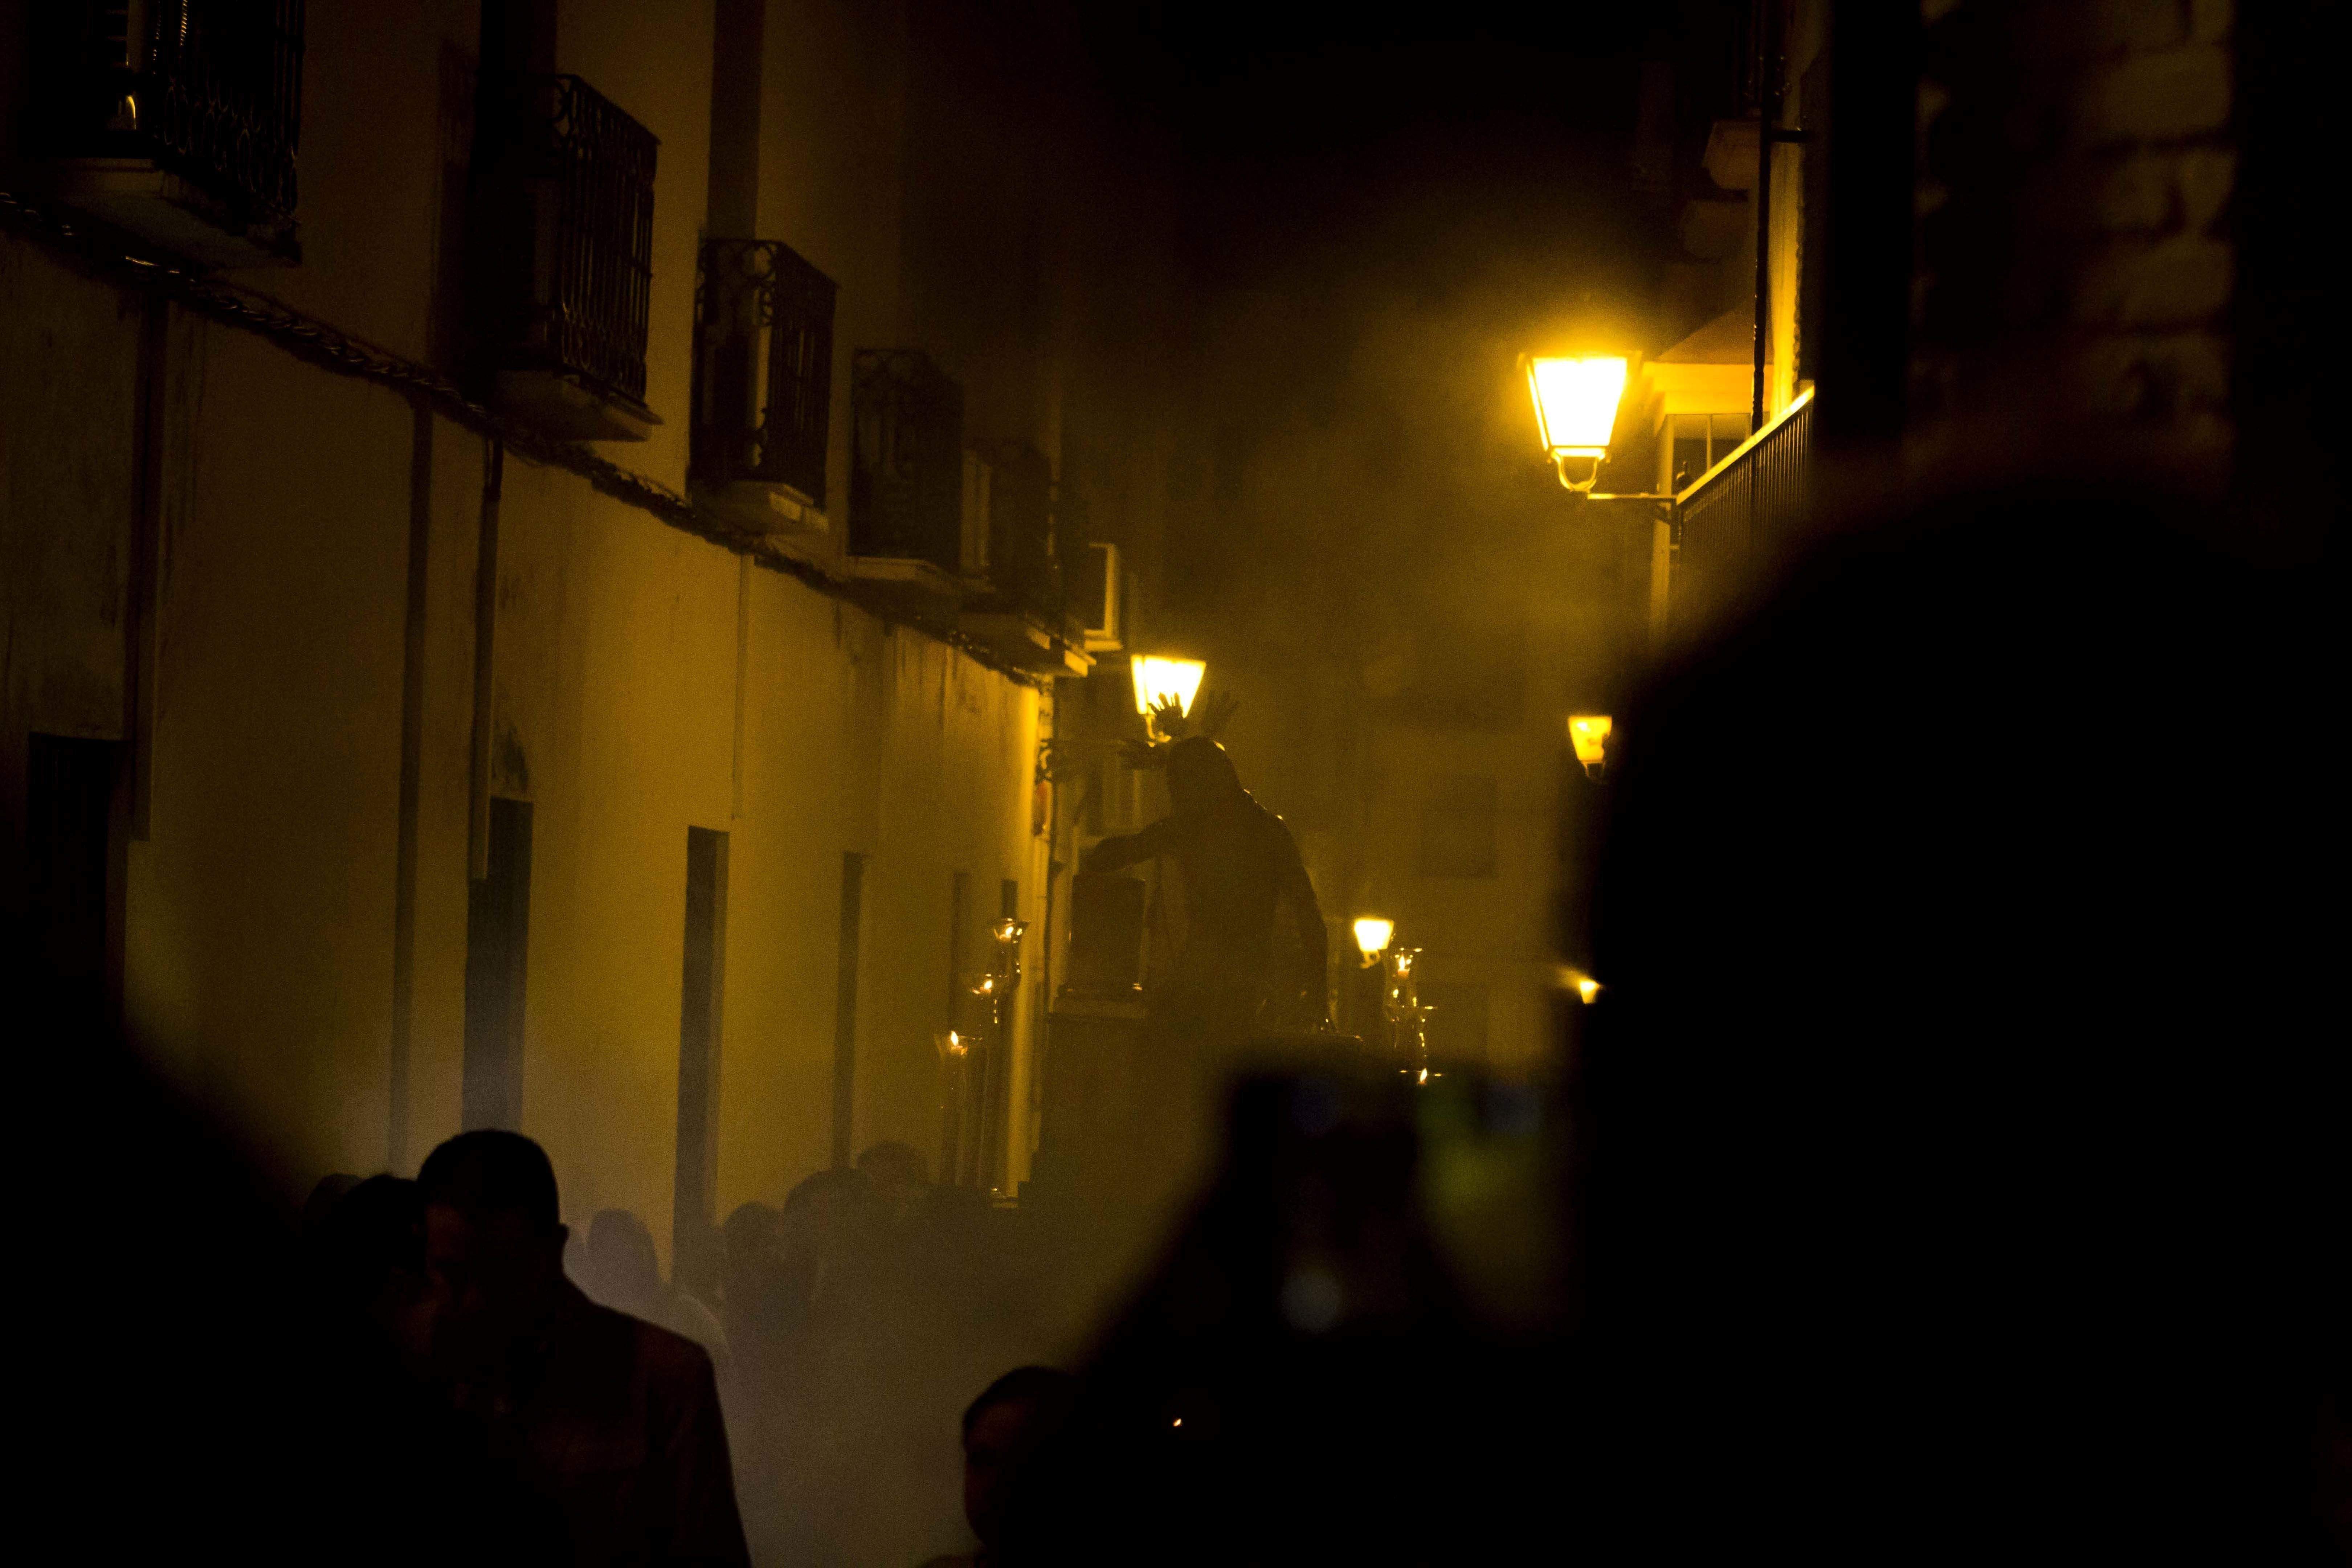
(1954, 1169)
(1959, 1165)
(1968, 1165)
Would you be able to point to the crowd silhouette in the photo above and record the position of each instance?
(566, 1399)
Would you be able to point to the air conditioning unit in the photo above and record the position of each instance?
(978, 482)
(1096, 599)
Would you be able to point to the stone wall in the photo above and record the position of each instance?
(2074, 262)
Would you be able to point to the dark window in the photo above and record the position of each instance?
(762, 366)
(845, 1007)
(1703, 440)
(498, 932)
(1690, 449)
(69, 800)
(695, 1196)
(1457, 829)
(566, 229)
(1023, 571)
(210, 90)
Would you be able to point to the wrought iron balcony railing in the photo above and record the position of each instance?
(763, 367)
(906, 475)
(567, 223)
(1758, 498)
(208, 92)
(1024, 575)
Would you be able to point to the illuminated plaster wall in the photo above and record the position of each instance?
(261, 910)
(260, 934)
(645, 680)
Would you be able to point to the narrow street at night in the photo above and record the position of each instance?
(914, 783)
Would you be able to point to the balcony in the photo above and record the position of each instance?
(1018, 609)
(566, 218)
(174, 119)
(763, 385)
(1756, 499)
(909, 478)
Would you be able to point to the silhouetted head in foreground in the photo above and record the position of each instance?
(493, 1237)
(369, 1253)
(1201, 777)
(1004, 1430)
(1954, 1103)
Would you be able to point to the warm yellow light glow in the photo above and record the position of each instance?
(1009, 928)
(1589, 734)
(1576, 403)
(1157, 680)
(1372, 935)
(1583, 985)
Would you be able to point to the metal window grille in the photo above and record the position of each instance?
(209, 89)
(587, 175)
(762, 366)
(1760, 496)
(1022, 567)
(906, 481)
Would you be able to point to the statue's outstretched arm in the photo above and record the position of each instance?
(1126, 850)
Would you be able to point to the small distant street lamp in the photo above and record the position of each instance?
(1576, 410)
(1372, 934)
(1159, 681)
(1589, 734)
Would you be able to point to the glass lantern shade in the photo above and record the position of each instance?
(1157, 680)
(1589, 734)
(1576, 403)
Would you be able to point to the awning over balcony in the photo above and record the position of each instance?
(1712, 371)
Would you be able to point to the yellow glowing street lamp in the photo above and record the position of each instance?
(1576, 409)
(1159, 681)
(1372, 934)
(1589, 734)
